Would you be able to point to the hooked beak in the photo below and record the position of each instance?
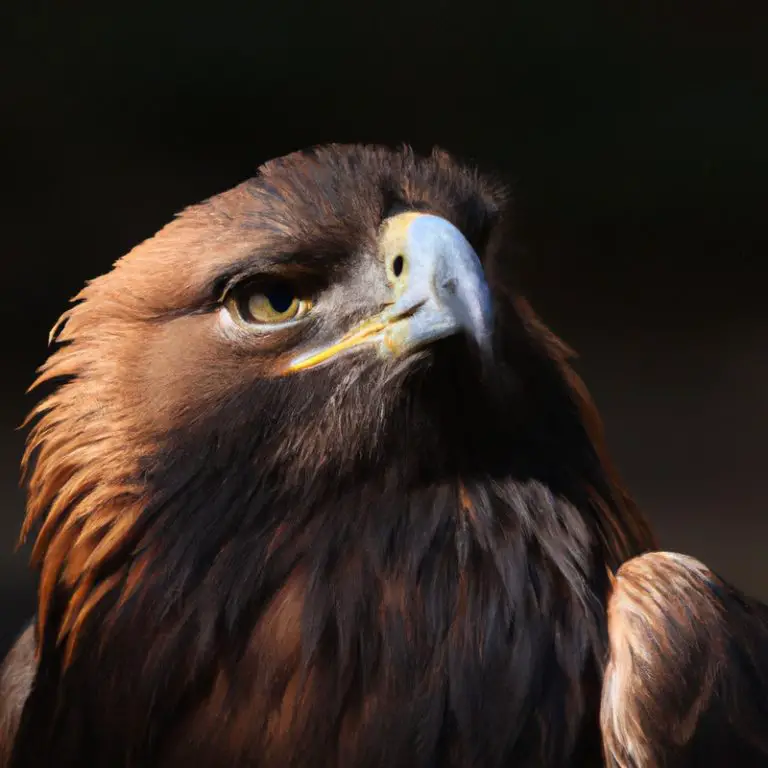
(438, 290)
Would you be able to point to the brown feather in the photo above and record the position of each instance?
(304, 571)
(17, 674)
(687, 679)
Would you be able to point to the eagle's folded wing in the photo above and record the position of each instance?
(17, 673)
(687, 678)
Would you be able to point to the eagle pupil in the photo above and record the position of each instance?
(280, 298)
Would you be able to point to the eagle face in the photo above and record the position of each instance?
(313, 315)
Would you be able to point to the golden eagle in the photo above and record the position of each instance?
(317, 488)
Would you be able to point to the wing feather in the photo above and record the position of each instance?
(16, 676)
(687, 678)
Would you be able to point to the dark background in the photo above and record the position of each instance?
(635, 135)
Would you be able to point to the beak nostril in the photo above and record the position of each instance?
(398, 265)
(450, 285)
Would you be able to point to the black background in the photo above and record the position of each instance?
(635, 135)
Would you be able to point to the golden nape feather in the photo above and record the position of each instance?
(317, 489)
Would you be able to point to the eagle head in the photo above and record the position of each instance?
(309, 402)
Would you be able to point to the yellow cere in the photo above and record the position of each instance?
(393, 241)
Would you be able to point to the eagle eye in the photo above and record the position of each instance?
(272, 303)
